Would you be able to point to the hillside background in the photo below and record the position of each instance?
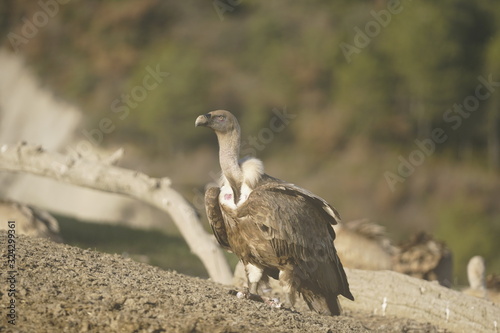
(366, 86)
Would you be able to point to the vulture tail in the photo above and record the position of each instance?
(328, 306)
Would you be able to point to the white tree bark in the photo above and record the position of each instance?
(103, 176)
(390, 293)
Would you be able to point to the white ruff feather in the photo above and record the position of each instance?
(253, 169)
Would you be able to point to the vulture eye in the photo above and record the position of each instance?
(221, 118)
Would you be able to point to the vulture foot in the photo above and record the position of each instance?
(272, 302)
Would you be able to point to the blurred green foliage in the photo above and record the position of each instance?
(355, 114)
(468, 230)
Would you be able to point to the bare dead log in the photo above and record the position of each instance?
(102, 176)
(388, 293)
(394, 294)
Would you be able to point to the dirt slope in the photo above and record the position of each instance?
(60, 288)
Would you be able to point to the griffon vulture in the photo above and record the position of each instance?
(479, 285)
(425, 258)
(30, 221)
(277, 229)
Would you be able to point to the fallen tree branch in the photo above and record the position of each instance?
(392, 294)
(389, 293)
(101, 176)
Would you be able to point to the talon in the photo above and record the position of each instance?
(243, 294)
(274, 303)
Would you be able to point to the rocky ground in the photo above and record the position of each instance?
(59, 288)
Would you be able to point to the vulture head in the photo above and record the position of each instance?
(226, 126)
(221, 121)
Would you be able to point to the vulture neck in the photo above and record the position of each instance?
(229, 151)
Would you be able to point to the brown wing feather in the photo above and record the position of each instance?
(299, 230)
(271, 182)
(215, 217)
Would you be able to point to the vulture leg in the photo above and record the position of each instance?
(290, 299)
(254, 275)
(288, 289)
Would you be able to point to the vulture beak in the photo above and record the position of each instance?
(202, 120)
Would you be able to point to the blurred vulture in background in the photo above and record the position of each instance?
(365, 245)
(29, 220)
(480, 285)
(425, 258)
